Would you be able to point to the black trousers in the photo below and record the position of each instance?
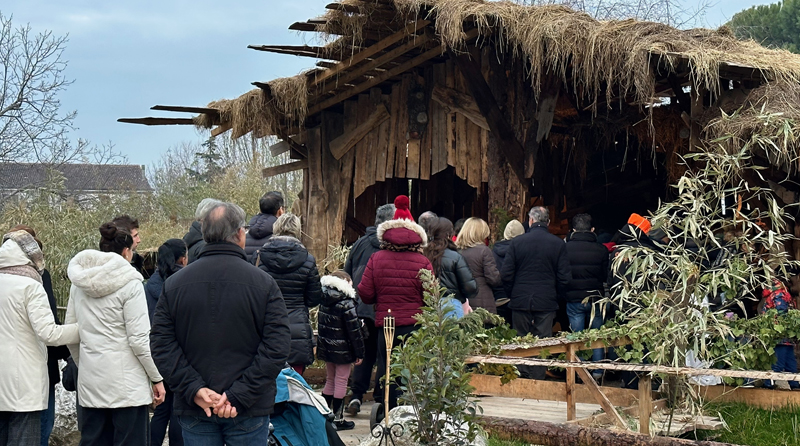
(539, 324)
(381, 371)
(164, 416)
(20, 428)
(362, 373)
(125, 426)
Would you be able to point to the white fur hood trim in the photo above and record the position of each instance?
(100, 274)
(338, 284)
(401, 223)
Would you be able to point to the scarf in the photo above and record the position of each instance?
(416, 247)
(29, 246)
(24, 271)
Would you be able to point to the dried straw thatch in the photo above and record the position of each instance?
(597, 59)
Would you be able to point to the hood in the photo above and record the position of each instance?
(99, 274)
(283, 254)
(402, 233)
(335, 289)
(372, 236)
(261, 226)
(194, 235)
(12, 255)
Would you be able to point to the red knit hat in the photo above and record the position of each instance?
(402, 212)
(640, 222)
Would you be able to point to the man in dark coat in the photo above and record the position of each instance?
(221, 336)
(355, 264)
(535, 271)
(588, 260)
(271, 206)
(194, 238)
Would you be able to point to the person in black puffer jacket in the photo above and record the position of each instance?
(340, 340)
(513, 229)
(448, 265)
(285, 258)
(261, 225)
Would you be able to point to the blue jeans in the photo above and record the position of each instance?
(49, 417)
(578, 313)
(215, 431)
(785, 361)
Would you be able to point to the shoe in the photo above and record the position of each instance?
(344, 425)
(354, 407)
(597, 376)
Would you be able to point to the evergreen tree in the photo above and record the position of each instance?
(775, 25)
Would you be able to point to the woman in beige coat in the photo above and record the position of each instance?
(27, 326)
(117, 378)
(471, 243)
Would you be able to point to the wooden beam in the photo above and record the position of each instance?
(303, 26)
(554, 346)
(283, 146)
(548, 390)
(455, 101)
(157, 121)
(601, 398)
(645, 403)
(375, 63)
(411, 28)
(697, 109)
(571, 406)
(548, 434)
(345, 142)
(487, 103)
(424, 57)
(182, 109)
(222, 128)
(284, 168)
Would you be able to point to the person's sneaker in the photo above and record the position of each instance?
(344, 425)
(597, 376)
(354, 407)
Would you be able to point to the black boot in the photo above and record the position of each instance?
(329, 400)
(339, 421)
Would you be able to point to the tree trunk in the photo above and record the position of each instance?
(548, 434)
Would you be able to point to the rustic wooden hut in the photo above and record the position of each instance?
(484, 108)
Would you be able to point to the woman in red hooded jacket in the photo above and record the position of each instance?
(391, 282)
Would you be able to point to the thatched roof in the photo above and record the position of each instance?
(599, 61)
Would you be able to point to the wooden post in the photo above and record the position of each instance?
(697, 94)
(571, 410)
(645, 403)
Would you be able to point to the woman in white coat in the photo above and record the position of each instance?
(117, 379)
(27, 326)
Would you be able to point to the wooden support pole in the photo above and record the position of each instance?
(645, 403)
(601, 398)
(345, 142)
(571, 406)
(487, 104)
(157, 121)
(548, 434)
(284, 168)
(697, 94)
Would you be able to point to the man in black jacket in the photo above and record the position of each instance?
(588, 260)
(355, 264)
(535, 271)
(221, 336)
(194, 238)
(271, 207)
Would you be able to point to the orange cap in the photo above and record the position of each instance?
(640, 222)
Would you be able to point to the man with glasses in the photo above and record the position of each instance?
(221, 336)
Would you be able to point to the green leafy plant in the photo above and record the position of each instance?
(433, 375)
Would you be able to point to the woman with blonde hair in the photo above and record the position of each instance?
(471, 243)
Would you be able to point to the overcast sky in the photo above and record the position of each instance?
(126, 56)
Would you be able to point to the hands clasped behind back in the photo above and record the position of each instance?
(209, 401)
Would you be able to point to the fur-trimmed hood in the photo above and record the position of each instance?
(100, 274)
(402, 233)
(335, 289)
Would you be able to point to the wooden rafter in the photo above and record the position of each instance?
(284, 168)
(317, 52)
(456, 101)
(157, 121)
(371, 50)
(424, 57)
(182, 109)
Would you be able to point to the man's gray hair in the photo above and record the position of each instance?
(222, 223)
(384, 213)
(539, 214)
(426, 217)
(288, 224)
(205, 205)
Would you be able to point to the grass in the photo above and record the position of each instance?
(755, 427)
(497, 442)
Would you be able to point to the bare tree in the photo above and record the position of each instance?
(32, 126)
(671, 12)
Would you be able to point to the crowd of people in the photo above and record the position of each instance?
(202, 341)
